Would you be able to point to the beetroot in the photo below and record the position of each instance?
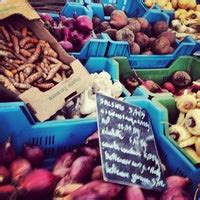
(84, 23)
(170, 87)
(4, 175)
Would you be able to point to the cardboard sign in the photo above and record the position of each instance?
(128, 152)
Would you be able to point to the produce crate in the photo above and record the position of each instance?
(93, 64)
(124, 66)
(55, 138)
(170, 152)
(94, 47)
(122, 48)
(185, 63)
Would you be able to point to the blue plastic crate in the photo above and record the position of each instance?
(94, 47)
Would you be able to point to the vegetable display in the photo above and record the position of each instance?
(27, 61)
(71, 33)
(144, 38)
(186, 131)
(76, 174)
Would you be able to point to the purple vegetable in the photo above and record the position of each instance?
(70, 23)
(57, 33)
(84, 23)
(46, 17)
(77, 40)
(66, 45)
(66, 32)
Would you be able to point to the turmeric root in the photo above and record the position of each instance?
(5, 33)
(24, 31)
(33, 77)
(25, 53)
(7, 84)
(35, 55)
(15, 42)
(27, 40)
(53, 71)
(45, 86)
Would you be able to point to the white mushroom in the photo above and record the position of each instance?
(116, 89)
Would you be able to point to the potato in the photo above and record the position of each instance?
(148, 52)
(151, 41)
(135, 23)
(144, 23)
(118, 19)
(111, 32)
(108, 9)
(160, 27)
(97, 173)
(169, 35)
(142, 39)
(135, 48)
(161, 46)
(125, 35)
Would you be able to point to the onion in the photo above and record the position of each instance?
(39, 184)
(19, 168)
(84, 23)
(69, 22)
(7, 153)
(76, 39)
(66, 33)
(67, 46)
(6, 191)
(34, 155)
(4, 175)
(46, 17)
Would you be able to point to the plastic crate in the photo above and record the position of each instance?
(94, 47)
(170, 151)
(185, 63)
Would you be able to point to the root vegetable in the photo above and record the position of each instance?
(5, 33)
(68, 46)
(181, 79)
(25, 52)
(133, 193)
(112, 33)
(142, 39)
(148, 52)
(19, 169)
(135, 23)
(33, 154)
(118, 19)
(144, 23)
(84, 23)
(53, 71)
(170, 87)
(15, 42)
(160, 27)
(33, 77)
(7, 84)
(97, 173)
(108, 9)
(27, 40)
(24, 32)
(125, 35)
(45, 86)
(135, 48)
(6, 192)
(38, 184)
(35, 55)
(177, 181)
(161, 46)
(169, 35)
(81, 168)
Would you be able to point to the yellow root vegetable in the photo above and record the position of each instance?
(33, 77)
(53, 71)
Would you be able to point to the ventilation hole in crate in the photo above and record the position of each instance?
(40, 141)
(33, 141)
(49, 139)
(53, 139)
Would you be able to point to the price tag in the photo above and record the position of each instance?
(127, 145)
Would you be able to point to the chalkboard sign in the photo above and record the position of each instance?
(128, 152)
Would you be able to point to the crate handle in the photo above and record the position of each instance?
(196, 192)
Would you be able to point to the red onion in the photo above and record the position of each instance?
(19, 168)
(84, 23)
(170, 87)
(67, 46)
(7, 153)
(66, 32)
(175, 193)
(38, 184)
(151, 86)
(34, 155)
(69, 23)
(6, 191)
(4, 175)
(63, 164)
(76, 39)
(46, 17)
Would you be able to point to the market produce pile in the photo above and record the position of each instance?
(27, 61)
(76, 174)
(144, 38)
